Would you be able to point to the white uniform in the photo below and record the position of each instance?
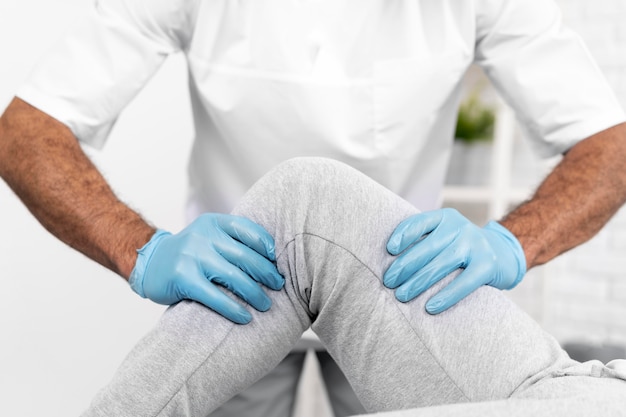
(373, 83)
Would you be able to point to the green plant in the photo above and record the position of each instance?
(475, 120)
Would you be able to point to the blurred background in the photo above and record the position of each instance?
(66, 323)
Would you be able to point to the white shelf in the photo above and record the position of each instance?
(497, 195)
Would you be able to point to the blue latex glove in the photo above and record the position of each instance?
(215, 250)
(431, 245)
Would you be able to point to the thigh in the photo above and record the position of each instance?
(271, 396)
(342, 397)
(195, 360)
(564, 396)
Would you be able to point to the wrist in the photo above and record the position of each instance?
(127, 246)
(144, 254)
(532, 246)
(515, 248)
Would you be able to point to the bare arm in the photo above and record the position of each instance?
(576, 200)
(43, 163)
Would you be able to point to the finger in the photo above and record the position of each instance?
(415, 258)
(412, 229)
(238, 282)
(463, 285)
(249, 233)
(251, 262)
(440, 267)
(212, 297)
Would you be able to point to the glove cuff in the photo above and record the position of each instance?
(518, 251)
(143, 258)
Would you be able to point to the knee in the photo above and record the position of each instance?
(304, 191)
(311, 175)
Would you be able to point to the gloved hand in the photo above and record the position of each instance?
(215, 249)
(433, 244)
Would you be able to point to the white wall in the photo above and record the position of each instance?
(65, 322)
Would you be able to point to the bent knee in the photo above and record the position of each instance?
(310, 174)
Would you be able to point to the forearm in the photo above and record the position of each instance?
(576, 200)
(43, 163)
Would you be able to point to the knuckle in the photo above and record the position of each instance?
(179, 270)
(451, 212)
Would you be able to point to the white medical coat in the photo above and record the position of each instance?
(374, 83)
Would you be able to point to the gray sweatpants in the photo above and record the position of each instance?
(275, 394)
(484, 357)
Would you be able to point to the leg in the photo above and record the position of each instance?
(330, 225)
(271, 396)
(342, 397)
(395, 355)
(572, 396)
